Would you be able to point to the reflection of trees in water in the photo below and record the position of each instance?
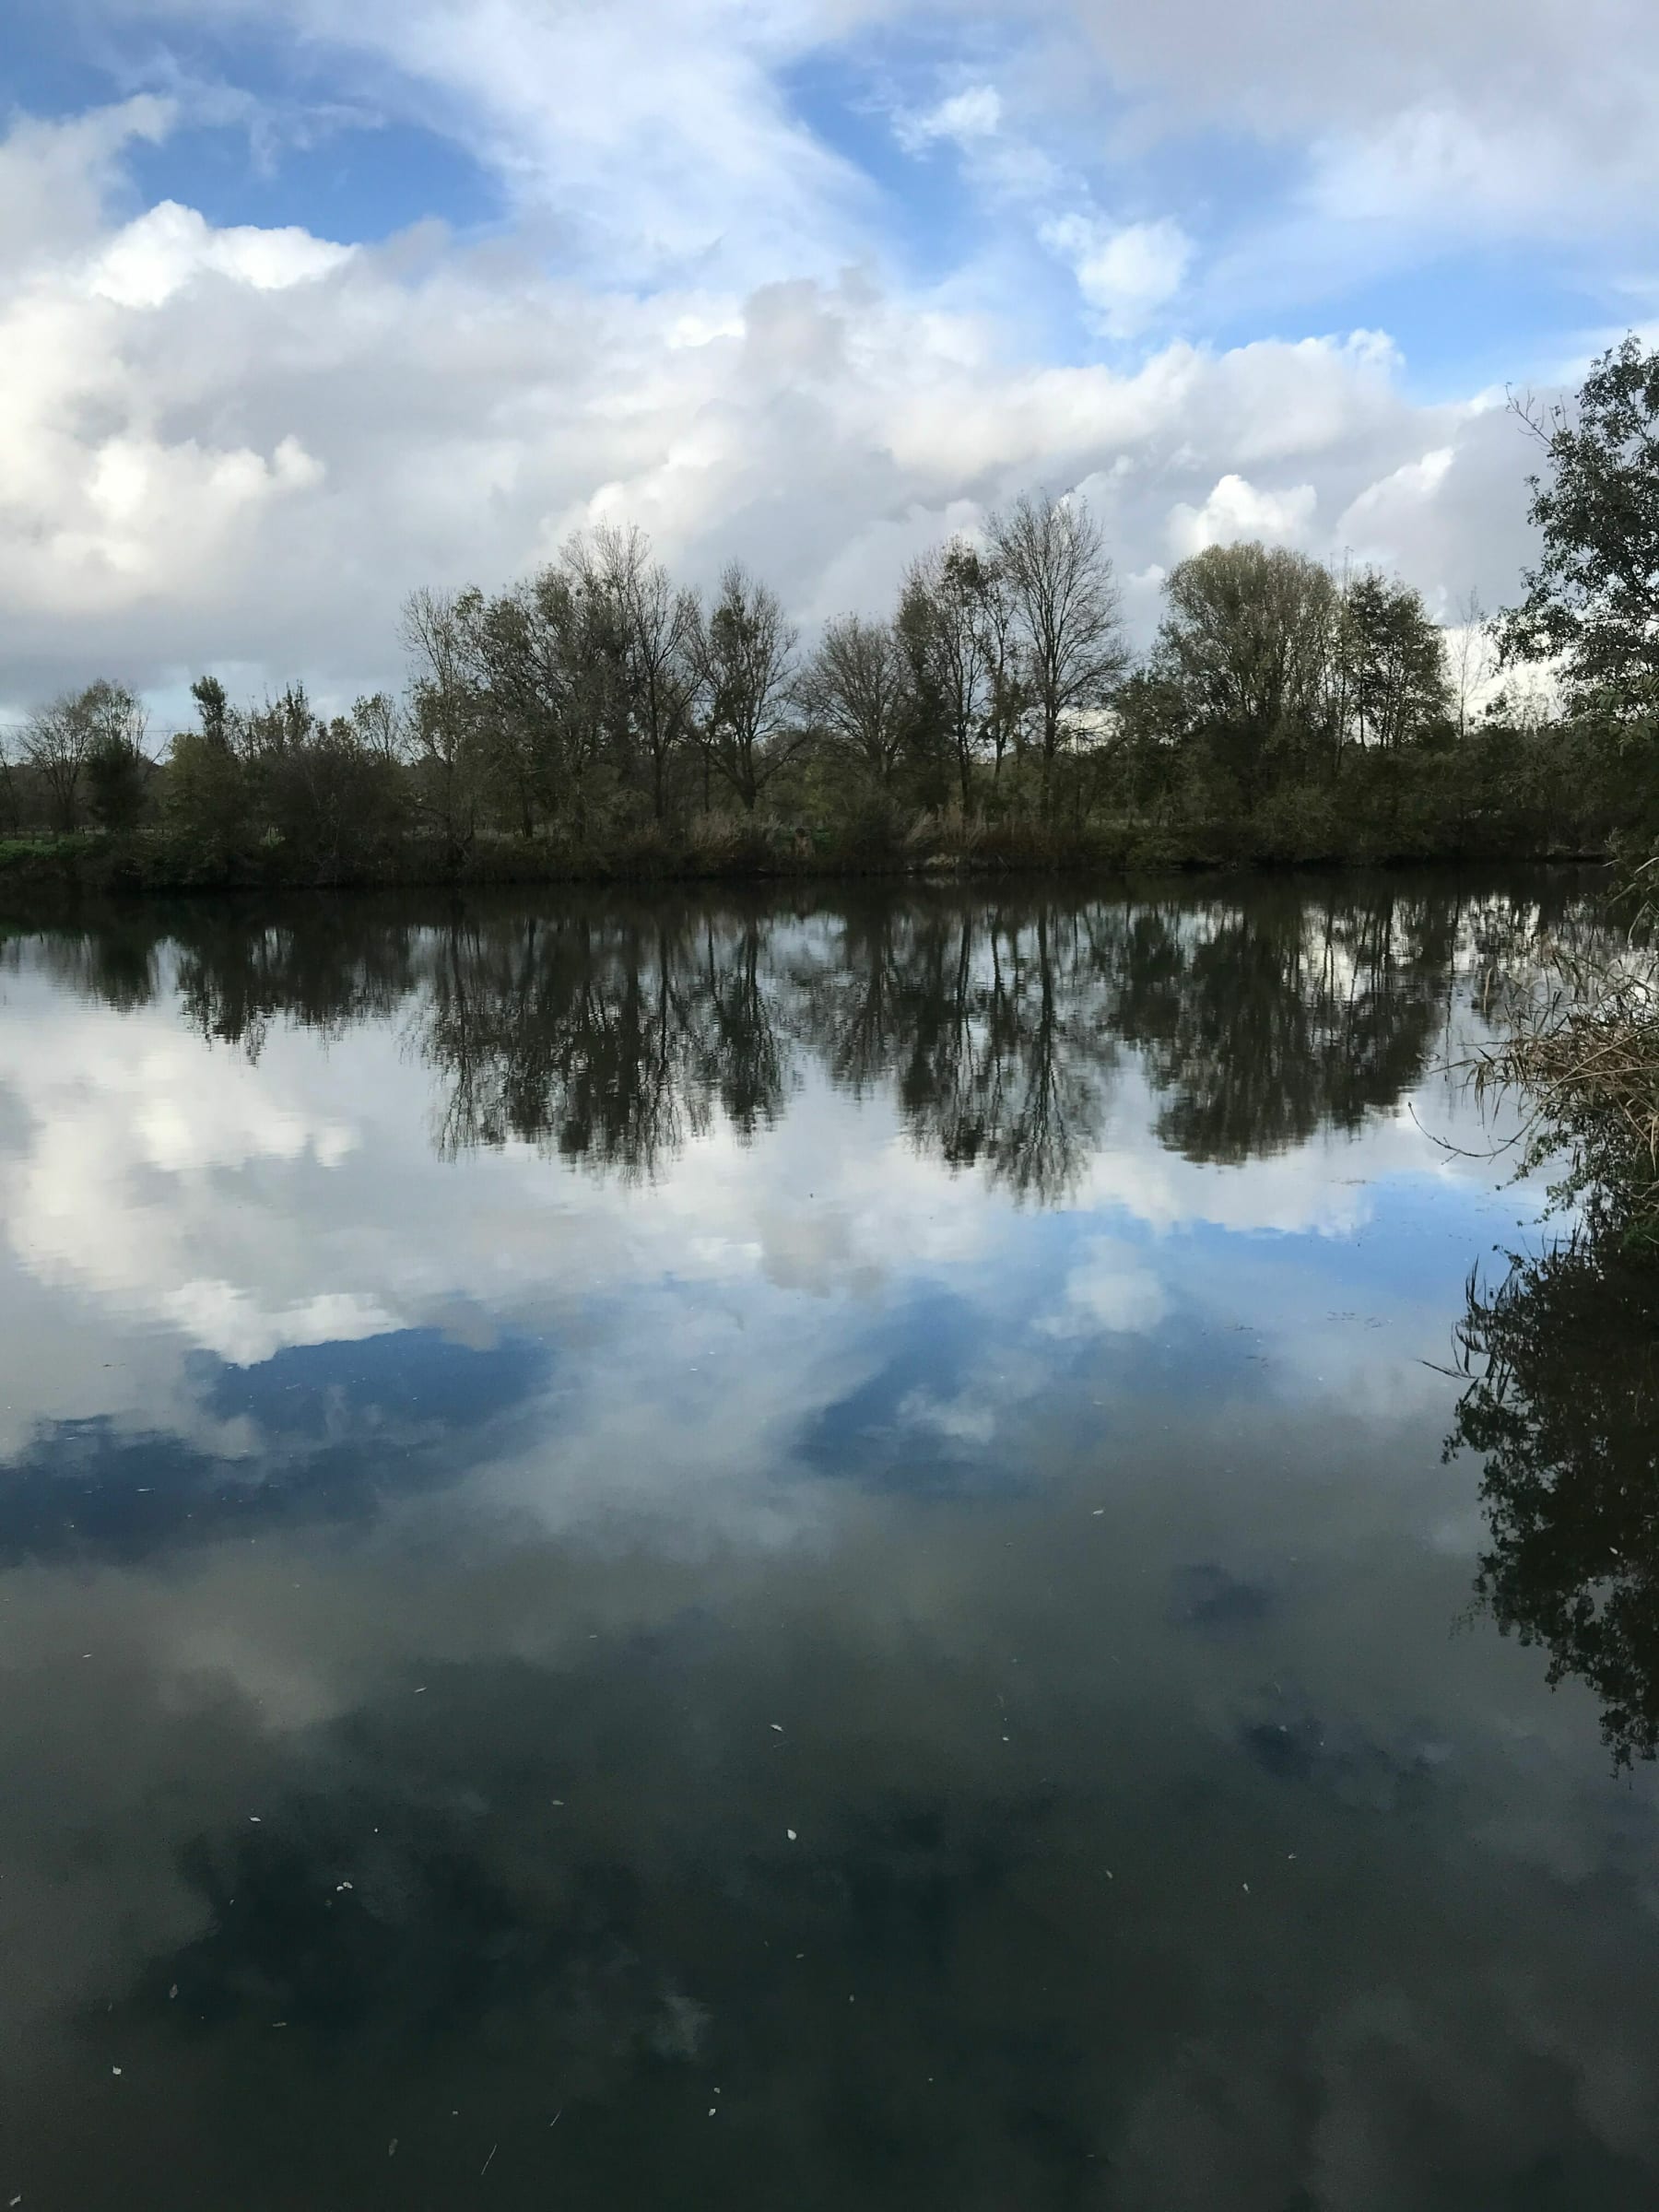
(1563, 1400)
(612, 1030)
(1263, 1023)
(983, 1018)
(605, 1041)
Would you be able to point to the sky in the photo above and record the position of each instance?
(302, 306)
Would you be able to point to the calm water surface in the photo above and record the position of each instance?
(855, 1551)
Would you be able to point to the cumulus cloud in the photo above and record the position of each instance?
(962, 118)
(1126, 274)
(1501, 112)
(149, 261)
(231, 446)
(1236, 510)
(234, 445)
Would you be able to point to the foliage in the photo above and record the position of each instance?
(1591, 602)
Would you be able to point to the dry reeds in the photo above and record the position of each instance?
(1581, 1056)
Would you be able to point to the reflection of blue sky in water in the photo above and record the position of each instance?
(397, 1496)
(327, 1430)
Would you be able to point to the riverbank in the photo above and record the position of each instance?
(724, 848)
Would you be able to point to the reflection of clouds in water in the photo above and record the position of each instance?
(1111, 1290)
(517, 1955)
(124, 1180)
(1101, 1536)
(181, 1183)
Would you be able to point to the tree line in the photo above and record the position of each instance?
(598, 708)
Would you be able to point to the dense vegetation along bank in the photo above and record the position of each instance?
(595, 720)
(1501, 797)
(1584, 1044)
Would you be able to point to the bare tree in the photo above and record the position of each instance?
(946, 619)
(1067, 610)
(443, 721)
(1473, 656)
(60, 739)
(658, 629)
(381, 728)
(857, 690)
(1006, 698)
(746, 659)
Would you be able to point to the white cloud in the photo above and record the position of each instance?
(654, 132)
(1124, 273)
(1507, 112)
(964, 117)
(240, 447)
(1236, 510)
(152, 259)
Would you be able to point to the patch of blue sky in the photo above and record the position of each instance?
(1462, 315)
(44, 72)
(356, 179)
(268, 134)
(931, 221)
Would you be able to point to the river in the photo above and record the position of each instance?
(861, 1549)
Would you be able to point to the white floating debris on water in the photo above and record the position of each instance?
(777, 1727)
(791, 1834)
(114, 2069)
(391, 2147)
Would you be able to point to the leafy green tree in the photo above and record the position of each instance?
(1397, 686)
(208, 799)
(546, 661)
(118, 768)
(1246, 641)
(1591, 602)
(214, 707)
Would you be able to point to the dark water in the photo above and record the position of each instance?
(722, 1552)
